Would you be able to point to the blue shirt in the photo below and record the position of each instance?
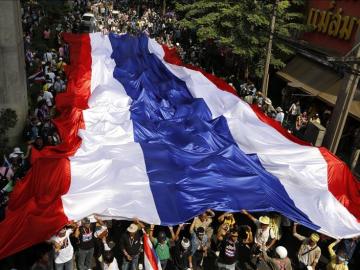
(196, 243)
(350, 246)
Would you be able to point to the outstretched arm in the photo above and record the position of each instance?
(171, 229)
(222, 217)
(192, 226)
(296, 235)
(331, 248)
(139, 223)
(246, 213)
(151, 233)
(99, 220)
(210, 213)
(179, 228)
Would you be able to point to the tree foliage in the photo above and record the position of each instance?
(244, 26)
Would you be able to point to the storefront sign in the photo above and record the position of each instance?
(334, 24)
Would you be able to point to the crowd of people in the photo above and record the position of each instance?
(46, 78)
(209, 241)
(294, 118)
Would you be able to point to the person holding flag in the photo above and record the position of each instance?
(151, 260)
(161, 246)
(130, 245)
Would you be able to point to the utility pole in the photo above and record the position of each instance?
(343, 102)
(163, 7)
(265, 81)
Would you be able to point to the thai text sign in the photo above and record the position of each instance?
(334, 24)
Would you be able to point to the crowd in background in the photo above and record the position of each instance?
(209, 241)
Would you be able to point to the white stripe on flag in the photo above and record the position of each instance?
(108, 173)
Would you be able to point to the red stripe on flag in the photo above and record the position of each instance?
(341, 182)
(172, 57)
(149, 252)
(35, 210)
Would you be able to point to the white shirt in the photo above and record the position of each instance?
(111, 266)
(51, 76)
(47, 97)
(66, 252)
(305, 258)
(48, 57)
(294, 109)
(262, 236)
(280, 117)
(59, 86)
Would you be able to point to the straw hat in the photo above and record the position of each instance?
(267, 101)
(132, 228)
(314, 237)
(264, 220)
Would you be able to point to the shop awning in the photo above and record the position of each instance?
(317, 80)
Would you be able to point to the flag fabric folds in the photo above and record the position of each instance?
(146, 136)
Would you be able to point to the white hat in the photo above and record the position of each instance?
(278, 109)
(132, 228)
(185, 243)
(281, 251)
(267, 101)
(16, 153)
(12, 155)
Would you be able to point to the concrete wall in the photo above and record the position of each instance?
(13, 93)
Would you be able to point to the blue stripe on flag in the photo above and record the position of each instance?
(192, 160)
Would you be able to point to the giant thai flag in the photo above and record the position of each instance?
(145, 136)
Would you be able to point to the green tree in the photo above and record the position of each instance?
(243, 27)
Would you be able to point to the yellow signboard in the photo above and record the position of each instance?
(332, 23)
